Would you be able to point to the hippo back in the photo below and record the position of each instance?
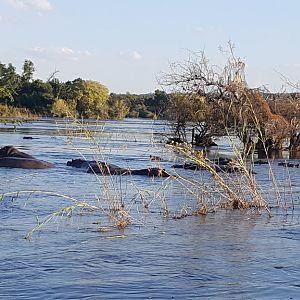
(24, 163)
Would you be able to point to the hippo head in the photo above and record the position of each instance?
(10, 151)
(77, 163)
(7, 151)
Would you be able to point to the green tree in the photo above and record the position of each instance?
(5, 95)
(93, 102)
(28, 70)
(9, 83)
(72, 92)
(60, 108)
(158, 103)
(57, 87)
(117, 107)
(36, 96)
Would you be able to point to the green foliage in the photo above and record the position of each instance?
(158, 104)
(9, 83)
(5, 95)
(85, 98)
(143, 106)
(60, 108)
(57, 88)
(93, 99)
(117, 108)
(72, 91)
(36, 96)
(28, 70)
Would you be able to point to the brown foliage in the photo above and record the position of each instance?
(228, 104)
(271, 127)
(288, 106)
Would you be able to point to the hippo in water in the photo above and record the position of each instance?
(11, 157)
(10, 151)
(97, 167)
(156, 172)
(104, 168)
(24, 163)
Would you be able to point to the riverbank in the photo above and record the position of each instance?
(14, 114)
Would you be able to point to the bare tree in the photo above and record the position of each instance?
(227, 103)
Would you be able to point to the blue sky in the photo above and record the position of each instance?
(126, 44)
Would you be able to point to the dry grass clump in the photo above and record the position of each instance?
(114, 192)
(10, 113)
(232, 186)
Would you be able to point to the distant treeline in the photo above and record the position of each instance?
(78, 98)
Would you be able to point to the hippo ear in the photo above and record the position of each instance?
(7, 150)
(11, 150)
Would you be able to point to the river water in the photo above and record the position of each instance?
(229, 254)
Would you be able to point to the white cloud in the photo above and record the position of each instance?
(87, 53)
(205, 28)
(40, 5)
(136, 55)
(66, 51)
(199, 29)
(59, 53)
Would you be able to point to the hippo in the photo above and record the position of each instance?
(188, 166)
(24, 163)
(10, 151)
(156, 172)
(288, 164)
(97, 166)
(220, 164)
(261, 162)
(79, 163)
(104, 168)
(11, 157)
